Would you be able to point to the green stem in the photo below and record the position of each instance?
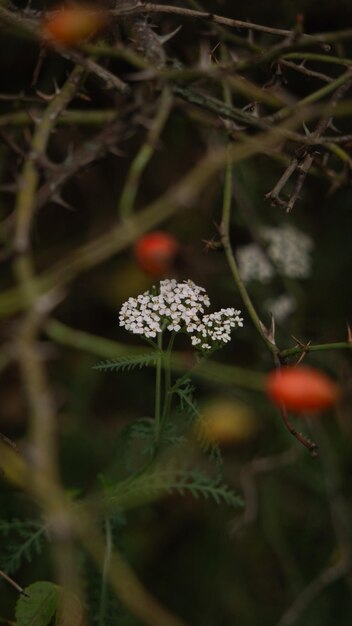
(341, 345)
(159, 364)
(92, 117)
(105, 572)
(225, 233)
(313, 97)
(129, 192)
(168, 392)
(225, 230)
(321, 58)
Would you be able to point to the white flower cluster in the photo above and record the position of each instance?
(253, 264)
(281, 307)
(179, 307)
(290, 250)
(288, 253)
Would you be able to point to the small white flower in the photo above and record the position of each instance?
(179, 307)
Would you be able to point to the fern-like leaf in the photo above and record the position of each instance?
(166, 480)
(189, 407)
(128, 363)
(25, 542)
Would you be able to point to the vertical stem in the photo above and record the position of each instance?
(129, 192)
(167, 363)
(225, 237)
(105, 572)
(158, 388)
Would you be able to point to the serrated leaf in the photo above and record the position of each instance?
(128, 363)
(39, 606)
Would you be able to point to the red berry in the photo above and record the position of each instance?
(73, 25)
(301, 389)
(155, 253)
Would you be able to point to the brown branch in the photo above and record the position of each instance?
(148, 7)
(32, 29)
(302, 69)
(248, 476)
(94, 149)
(111, 80)
(29, 177)
(307, 443)
(181, 196)
(304, 163)
(326, 578)
(13, 583)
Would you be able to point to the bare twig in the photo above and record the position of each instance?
(302, 69)
(326, 578)
(304, 163)
(181, 196)
(31, 28)
(13, 583)
(88, 152)
(148, 7)
(29, 177)
(129, 192)
(302, 439)
(248, 476)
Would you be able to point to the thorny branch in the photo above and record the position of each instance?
(36, 292)
(305, 160)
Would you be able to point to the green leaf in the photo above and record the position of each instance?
(128, 363)
(160, 481)
(39, 606)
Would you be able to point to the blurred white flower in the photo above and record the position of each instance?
(179, 307)
(290, 249)
(253, 264)
(281, 307)
(288, 253)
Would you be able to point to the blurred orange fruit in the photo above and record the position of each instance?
(302, 389)
(155, 253)
(72, 25)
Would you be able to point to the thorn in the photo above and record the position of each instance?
(306, 130)
(305, 349)
(35, 118)
(333, 127)
(56, 86)
(46, 96)
(349, 333)
(164, 38)
(212, 245)
(234, 56)
(115, 151)
(61, 202)
(301, 344)
(231, 126)
(269, 333)
(84, 97)
(43, 161)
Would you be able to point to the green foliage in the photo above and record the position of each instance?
(165, 480)
(128, 363)
(42, 600)
(25, 539)
(39, 605)
(190, 409)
